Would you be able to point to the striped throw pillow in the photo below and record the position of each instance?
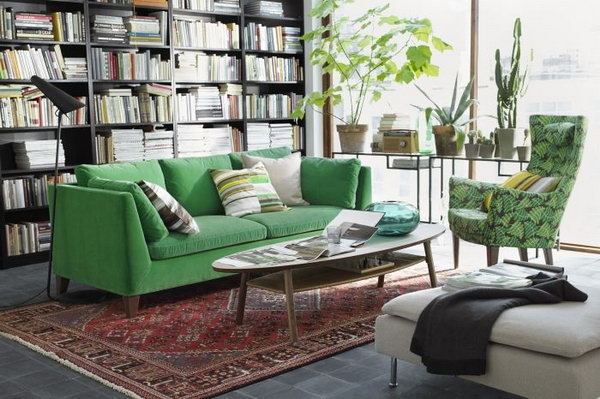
(247, 191)
(173, 215)
(519, 181)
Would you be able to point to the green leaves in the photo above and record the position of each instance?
(365, 63)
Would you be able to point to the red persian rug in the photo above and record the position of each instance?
(185, 344)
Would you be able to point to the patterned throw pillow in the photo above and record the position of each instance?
(247, 191)
(526, 181)
(173, 215)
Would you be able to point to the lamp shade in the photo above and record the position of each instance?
(63, 101)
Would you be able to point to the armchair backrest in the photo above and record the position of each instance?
(557, 147)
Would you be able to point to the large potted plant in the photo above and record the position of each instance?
(449, 133)
(511, 86)
(364, 63)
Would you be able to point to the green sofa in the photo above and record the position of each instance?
(104, 237)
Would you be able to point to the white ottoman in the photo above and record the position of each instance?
(537, 351)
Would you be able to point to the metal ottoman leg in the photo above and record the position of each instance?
(394, 373)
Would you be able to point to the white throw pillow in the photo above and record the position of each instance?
(285, 176)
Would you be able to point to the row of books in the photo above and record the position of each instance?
(266, 135)
(271, 105)
(272, 38)
(226, 6)
(30, 191)
(197, 140)
(204, 32)
(151, 29)
(129, 65)
(60, 26)
(153, 3)
(273, 69)
(47, 63)
(192, 66)
(37, 112)
(27, 237)
(129, 145)
(207, 102)
(37, 154)
(151, 103)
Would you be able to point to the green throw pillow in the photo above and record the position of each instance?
(128, 171)
(152, 225)
(328, 181)
(276, 152)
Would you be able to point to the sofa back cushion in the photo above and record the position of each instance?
(330, 181)
(189, 181)
(277, 152)
(152, 225)
(131, 171)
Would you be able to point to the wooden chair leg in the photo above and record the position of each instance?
(523, 254)
(62, 285)
(131, 304)
(380, 281)
(492, 255)
(548, 256)
(455, 249)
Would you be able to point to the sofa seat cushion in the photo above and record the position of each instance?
(567, 329)
(299, 219)
(130, 171)
(216, 231)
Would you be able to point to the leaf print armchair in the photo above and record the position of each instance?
(517, 218)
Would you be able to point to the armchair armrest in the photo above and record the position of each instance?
(99, 239)
(468, 194)
(525, 219)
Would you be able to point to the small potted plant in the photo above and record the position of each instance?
(487, 146)
(472, 147)
(524, 151)
(449, 133)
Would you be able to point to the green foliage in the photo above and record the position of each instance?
(366, 63)
(512, 85)
(452, 115)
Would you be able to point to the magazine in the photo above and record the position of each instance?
(522, 270)
(479, 279)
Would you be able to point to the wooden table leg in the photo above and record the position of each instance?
(430, 265)
(241, 304)
(380, 281)
(289, 299)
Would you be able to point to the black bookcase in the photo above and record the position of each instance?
(79, 141)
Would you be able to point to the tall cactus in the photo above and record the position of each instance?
(512, 85)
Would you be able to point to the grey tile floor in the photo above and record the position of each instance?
(358, 373)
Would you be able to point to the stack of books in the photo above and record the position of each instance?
(273, 69)
(68, 26)
(282, 135)
(129, 65)
(37, 154)
(108, 29)
(30, 191)
(149, 3)
(259, 136)
(203, 32)
(196, 140)
(128, 145)
(27, 237)
(118, 105)
(192, 67)
(158, 144)
(231, 100)
(261, 7)
(75, 68)
(227, 6)
(391, 122)
(33, 26)
(260, 106)
(7, 26)
(272, 38)
(222, 6)
(143, 30)
(203, 102)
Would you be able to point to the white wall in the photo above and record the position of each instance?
(314, 120)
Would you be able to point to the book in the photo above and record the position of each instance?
(273, 69)
(129, 65)
(48, 63)
(37, 154)
(205, 32)
(262, 106)
(119, 105)
(27, 237)
(262, 7)
(223, 6)
(108, 29)
(194, 67)
(272, 38)
(198, 140)
(523, 269)
(30, 191)
(480, 279)
(158, 143)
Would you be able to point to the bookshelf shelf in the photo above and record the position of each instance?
(79, 141)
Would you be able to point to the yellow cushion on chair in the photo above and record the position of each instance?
(519, 181)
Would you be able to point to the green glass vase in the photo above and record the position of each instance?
(399, 217)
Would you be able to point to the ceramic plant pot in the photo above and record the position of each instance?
(487, 150)
(353, 138)
(472, 150)
(524, 153)
(448, 141)
(507, 141)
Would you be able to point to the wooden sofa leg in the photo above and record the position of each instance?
(131, 304)
(455, 249)
(62, 284)
(523, 256)
(548, 256)
(492, 255)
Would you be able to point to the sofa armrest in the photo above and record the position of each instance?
(99, 239)
(468, 194)
(363, 192)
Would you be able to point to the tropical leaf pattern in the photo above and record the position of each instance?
(519, 218)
